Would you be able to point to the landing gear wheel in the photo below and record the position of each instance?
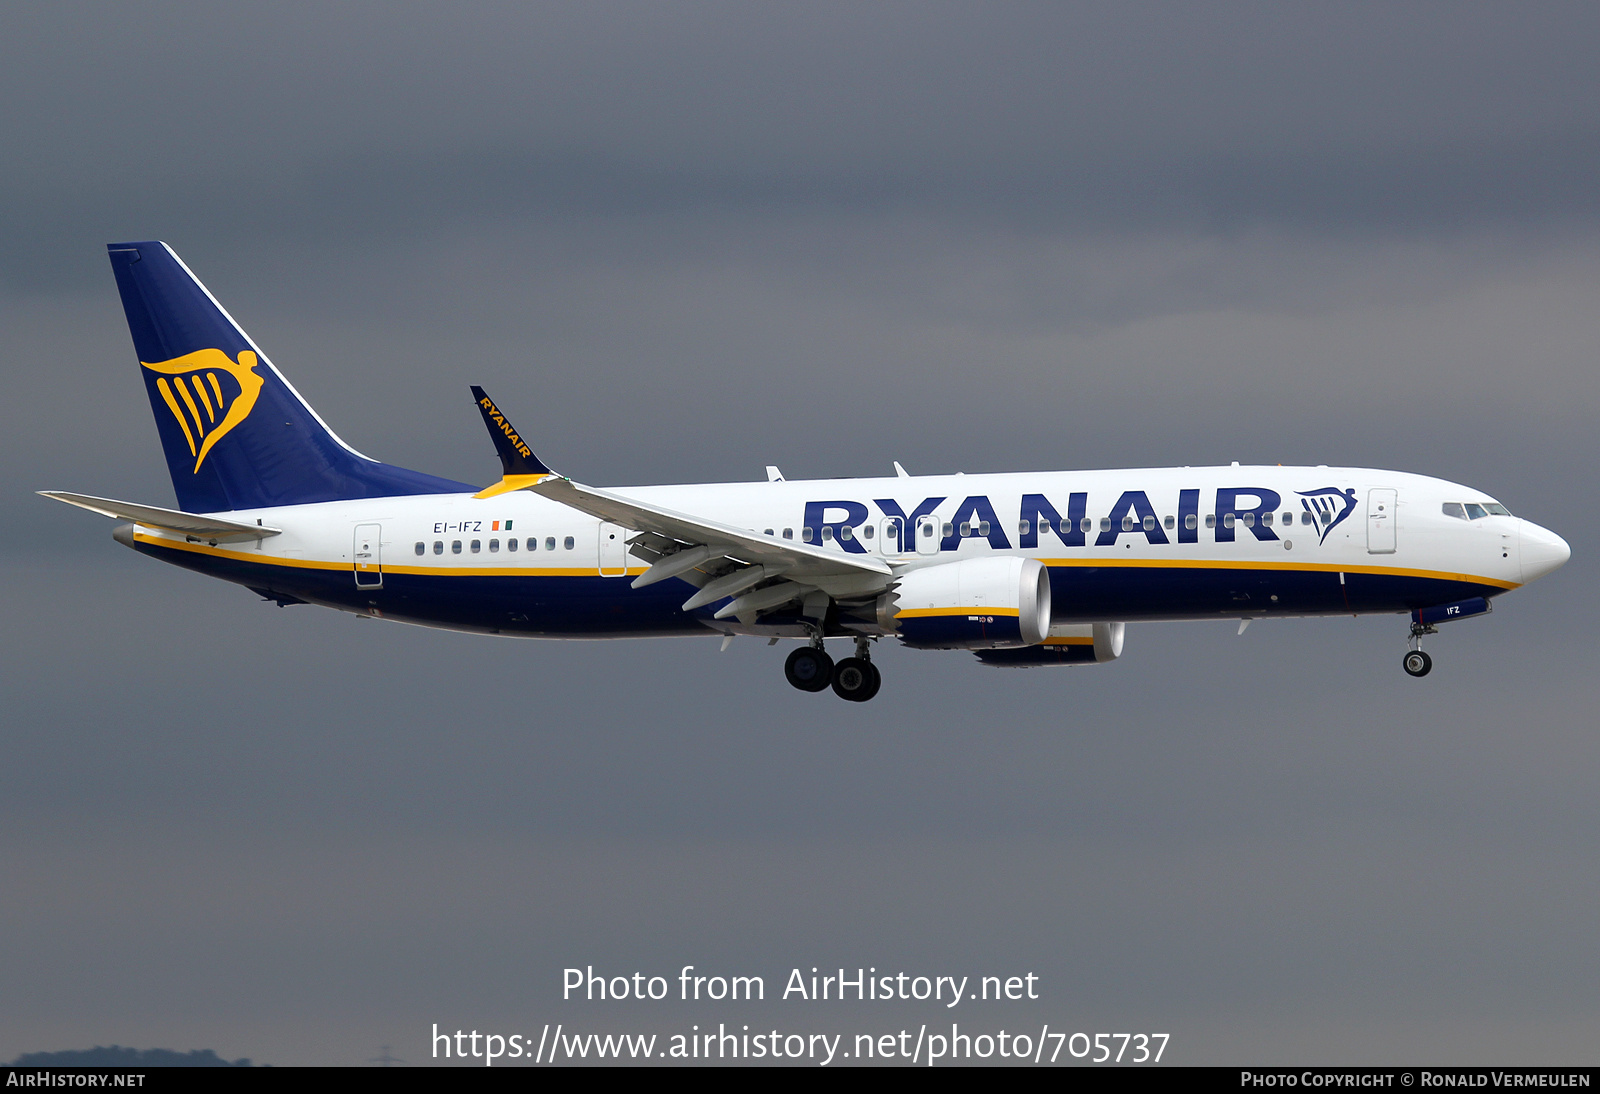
(809, 669)
(1417, 663)
(856, 679)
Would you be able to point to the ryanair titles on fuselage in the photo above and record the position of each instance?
(1041, 521)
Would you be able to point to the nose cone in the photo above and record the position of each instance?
(1542, 551)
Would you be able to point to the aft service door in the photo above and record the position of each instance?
(368, 554)
(613, 550)
(1380, 522)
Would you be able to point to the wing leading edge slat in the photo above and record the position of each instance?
(800, 560)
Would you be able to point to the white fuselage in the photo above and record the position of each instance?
(1150, 543)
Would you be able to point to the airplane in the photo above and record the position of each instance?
(1032, 569)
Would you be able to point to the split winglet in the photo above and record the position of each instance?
(520, 467)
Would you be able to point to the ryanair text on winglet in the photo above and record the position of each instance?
(499, 419)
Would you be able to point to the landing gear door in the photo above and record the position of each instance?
(1381, 522)
(613, 550)
(368, 554)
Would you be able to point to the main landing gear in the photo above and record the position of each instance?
(1415, 662)
(855, 679)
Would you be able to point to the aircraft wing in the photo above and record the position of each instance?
(756, 573)
(171, 520)
(797, 561)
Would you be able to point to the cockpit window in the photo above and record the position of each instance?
(1496, 509)
(1455, 509)
(1475, 511)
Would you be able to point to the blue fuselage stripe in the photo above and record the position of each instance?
(607, 607)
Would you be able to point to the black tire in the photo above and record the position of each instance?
(856, 680)
(1417, 663)
(809, 669)
(877, 681)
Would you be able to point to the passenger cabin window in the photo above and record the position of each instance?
(1171, 522)
(1211, 520)
(1266, 520)
(1191, 521)
(455, 546)
(983, 527)
(477, 545)
(1127, 523)
(767, 532)
(1085, 524)
(511, 545)
(966, 529)
(549, 543)
(1474, 511)
(1248, 518)
(1288, 519)
(494, 545)
(1455, 509)
(1227, 520)
(1105, 524)
(827, 533)
(847, 533)
(438, 546)
(1305, 517)
(866, 533)
(805, 535)
(568, 543)
(788, 533)
(421, 547)
(1022, 527)
(1149, 524)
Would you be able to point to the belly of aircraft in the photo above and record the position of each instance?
(570, 606)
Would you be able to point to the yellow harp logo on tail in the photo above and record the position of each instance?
(208, 393)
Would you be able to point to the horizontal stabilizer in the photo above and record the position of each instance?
(170, 520)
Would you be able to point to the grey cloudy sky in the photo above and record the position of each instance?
(680, 242)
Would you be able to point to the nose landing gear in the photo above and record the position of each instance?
(1415, 662)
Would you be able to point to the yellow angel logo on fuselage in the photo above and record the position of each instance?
(202, 397)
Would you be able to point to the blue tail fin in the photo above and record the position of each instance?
(235, 433)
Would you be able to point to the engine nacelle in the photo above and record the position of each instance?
(1072, 644)
(978, 604)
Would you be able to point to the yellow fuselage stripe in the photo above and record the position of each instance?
(581, 571)
(1303, 567)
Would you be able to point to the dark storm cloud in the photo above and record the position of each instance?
(319, 120)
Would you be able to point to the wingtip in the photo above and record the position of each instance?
(516, 458)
